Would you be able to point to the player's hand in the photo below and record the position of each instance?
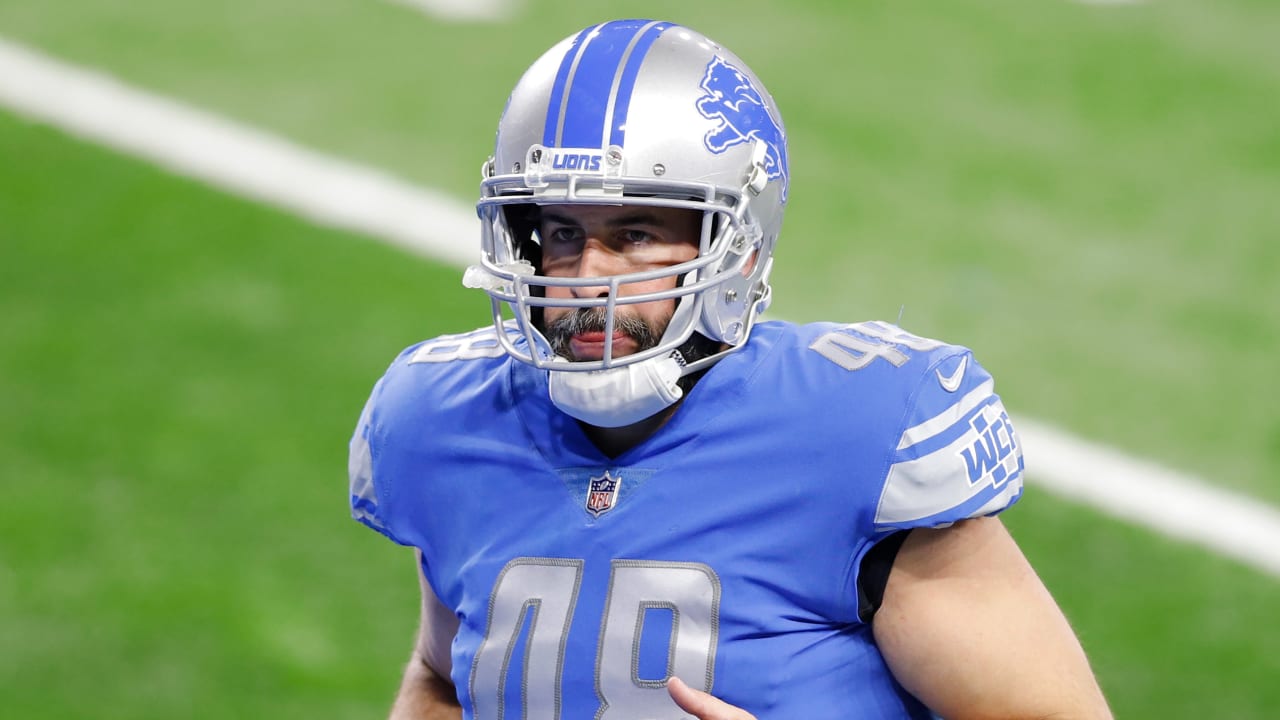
(703, 706)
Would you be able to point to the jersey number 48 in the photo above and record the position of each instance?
(542, 593)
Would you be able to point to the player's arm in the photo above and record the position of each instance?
(426, 693)
(968, 628)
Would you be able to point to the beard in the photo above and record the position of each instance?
(584, 320)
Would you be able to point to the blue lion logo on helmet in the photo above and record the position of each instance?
(743, 116)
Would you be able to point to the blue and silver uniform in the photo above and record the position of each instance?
(725, 548)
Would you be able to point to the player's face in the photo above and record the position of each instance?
(601, 240)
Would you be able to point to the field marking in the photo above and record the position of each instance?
(1149, 494)
(336, 193)
(464, 10)
(240, 159)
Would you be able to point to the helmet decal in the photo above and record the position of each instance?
(593, 87)
(742, 116)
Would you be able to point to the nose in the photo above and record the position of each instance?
(596, 260)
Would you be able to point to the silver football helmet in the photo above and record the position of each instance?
(636, 112)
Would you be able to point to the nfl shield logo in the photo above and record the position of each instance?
(602, 492)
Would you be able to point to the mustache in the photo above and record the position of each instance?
(586, 320)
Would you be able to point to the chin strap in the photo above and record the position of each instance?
(618, 396)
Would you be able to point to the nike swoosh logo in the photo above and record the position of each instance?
(951, 383)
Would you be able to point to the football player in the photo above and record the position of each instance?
(630, 499)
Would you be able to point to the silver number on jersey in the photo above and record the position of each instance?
(543, 590)
(482, 343)
(543, 593)
(854, 347)
(692, 593)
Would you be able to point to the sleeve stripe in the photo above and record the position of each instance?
(981, 505)
(947, 418)
(364, 496)
(364, 499)
(978, 470)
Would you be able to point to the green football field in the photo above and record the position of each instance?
(1084, 194)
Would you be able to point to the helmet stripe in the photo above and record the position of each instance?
(626, 83)
(593, 87)
(556, 106)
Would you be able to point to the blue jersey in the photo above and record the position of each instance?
(725, 548)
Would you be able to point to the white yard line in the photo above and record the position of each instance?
(464, 10)
(337, 193)
(1148, 494)
(237, 158)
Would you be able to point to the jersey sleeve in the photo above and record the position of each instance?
(432, 401)
(373, 465)
(365, 501)
(957, 455)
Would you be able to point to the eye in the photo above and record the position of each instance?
(562, 235)
(633, 236)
